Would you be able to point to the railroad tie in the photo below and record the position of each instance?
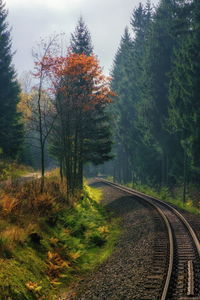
(190, 289)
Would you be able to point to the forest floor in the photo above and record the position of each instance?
(123, 274)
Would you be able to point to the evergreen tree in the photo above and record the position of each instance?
(81, 39)
(184, 89)
(127, 83)
(157, 84)
(122, 73)
(145, 162)
(140, 79)
(10, 127)
(157, 65)
(97, 137)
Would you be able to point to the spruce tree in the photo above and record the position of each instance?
(81, 39)
(157, 82)
(158, 63)
(128, 84)
(123, 79)
(10, 128)
(184, 89)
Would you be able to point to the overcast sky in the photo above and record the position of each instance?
(32, 19)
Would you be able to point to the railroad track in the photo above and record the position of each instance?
(178, 274)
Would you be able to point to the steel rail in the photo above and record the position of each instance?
(181, 217)
(149, 200)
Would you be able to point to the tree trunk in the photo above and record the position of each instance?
(163, 170)
(42, 169)
(75, 158)
(61, 170)
(167, 170)
(184, 176)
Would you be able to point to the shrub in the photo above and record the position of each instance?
(56, 265)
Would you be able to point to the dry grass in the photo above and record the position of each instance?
(15, 234)
(8, 203)
(22, 205)
(24, 197)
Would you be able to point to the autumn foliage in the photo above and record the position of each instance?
(79, 71)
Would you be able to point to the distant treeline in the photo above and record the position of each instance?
(156, 75)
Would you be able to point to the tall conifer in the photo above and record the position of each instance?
(81, 39)
(184, 89)
(10, 128)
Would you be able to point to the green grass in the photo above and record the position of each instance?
(94, 193)
(89, 232)
(42, 253)
(16, 273)
(164, 194)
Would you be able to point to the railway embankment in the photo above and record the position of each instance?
(167, 263)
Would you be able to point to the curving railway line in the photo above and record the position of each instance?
(179, 273)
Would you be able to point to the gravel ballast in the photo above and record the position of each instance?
(123, 274)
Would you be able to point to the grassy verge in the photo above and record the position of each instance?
(174, 197)
(46, 243)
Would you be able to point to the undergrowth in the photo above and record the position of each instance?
(45, 243)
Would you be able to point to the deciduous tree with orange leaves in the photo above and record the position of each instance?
(82, 131)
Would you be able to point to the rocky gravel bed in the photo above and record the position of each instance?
(123, 274)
